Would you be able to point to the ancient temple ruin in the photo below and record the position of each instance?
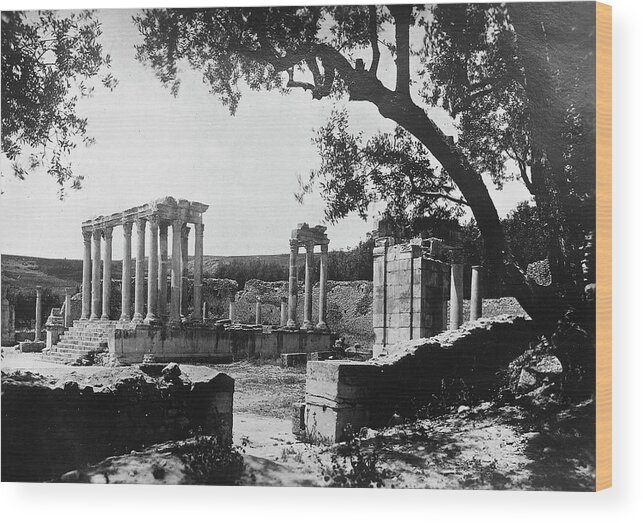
(161, 215)
(418, 288)
(159, 324)
(308, 237)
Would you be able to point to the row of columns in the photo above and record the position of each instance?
(157, 272)
(308, 285)
(456, 299)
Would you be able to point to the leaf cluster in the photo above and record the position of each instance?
(393, 168)
(48, 62)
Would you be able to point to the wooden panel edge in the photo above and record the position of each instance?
(603, 246)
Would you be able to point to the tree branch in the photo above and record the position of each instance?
(402, 16)
(372, 31)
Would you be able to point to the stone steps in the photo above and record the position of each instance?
(82, 339)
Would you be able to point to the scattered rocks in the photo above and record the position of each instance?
(171, 372)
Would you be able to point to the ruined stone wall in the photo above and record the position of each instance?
(50, 426)
(405, 376)
(349, 314)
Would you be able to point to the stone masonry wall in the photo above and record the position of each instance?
(350, 306)
(405, 376)
(54, 424)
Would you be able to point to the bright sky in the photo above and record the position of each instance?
(150, 144)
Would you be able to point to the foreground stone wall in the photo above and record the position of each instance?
(405, 376)
(54, 424)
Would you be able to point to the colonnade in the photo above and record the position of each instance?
(308, 238)
(156, 219)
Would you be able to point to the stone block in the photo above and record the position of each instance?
(32, 346)
(294, 359)
(321, 355)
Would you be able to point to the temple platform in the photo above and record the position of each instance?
(215, 344)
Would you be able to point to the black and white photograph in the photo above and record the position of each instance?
(348, 246)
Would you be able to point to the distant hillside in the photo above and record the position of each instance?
(25, 272)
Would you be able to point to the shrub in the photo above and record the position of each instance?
(352, 466)
(207, 462)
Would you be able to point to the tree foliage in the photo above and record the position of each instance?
(48, 64)
(389, 167)
(516, 79)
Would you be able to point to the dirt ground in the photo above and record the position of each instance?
(488, 446)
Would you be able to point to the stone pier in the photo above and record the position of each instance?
(410, 288)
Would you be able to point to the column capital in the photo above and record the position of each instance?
(140, 223)
(310, 246)
(294, 244)
(127, 227)
(97, 233)
(324, 247)
(163, 225)
(87, 235)
(38, 290)
(185, 230)
(67, 291)
(154, 221)
(178, 223)
(107, 233)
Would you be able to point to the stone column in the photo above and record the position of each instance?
(153, 272)
(205, 310)
(455, 316)
(107, 272)
(163, 265)
(283, 316)
(126, 283)
(175, 293)
(87, 274)
(476, 292)
(139, 285)
(38, 334)
(308, 287)
(258, 311)
(185, 233)
(198, 271)
(231, 311)
(292, 284)
(323, 281)
(96, 297)
(68, 318)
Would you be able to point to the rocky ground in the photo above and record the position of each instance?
(533, 441)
